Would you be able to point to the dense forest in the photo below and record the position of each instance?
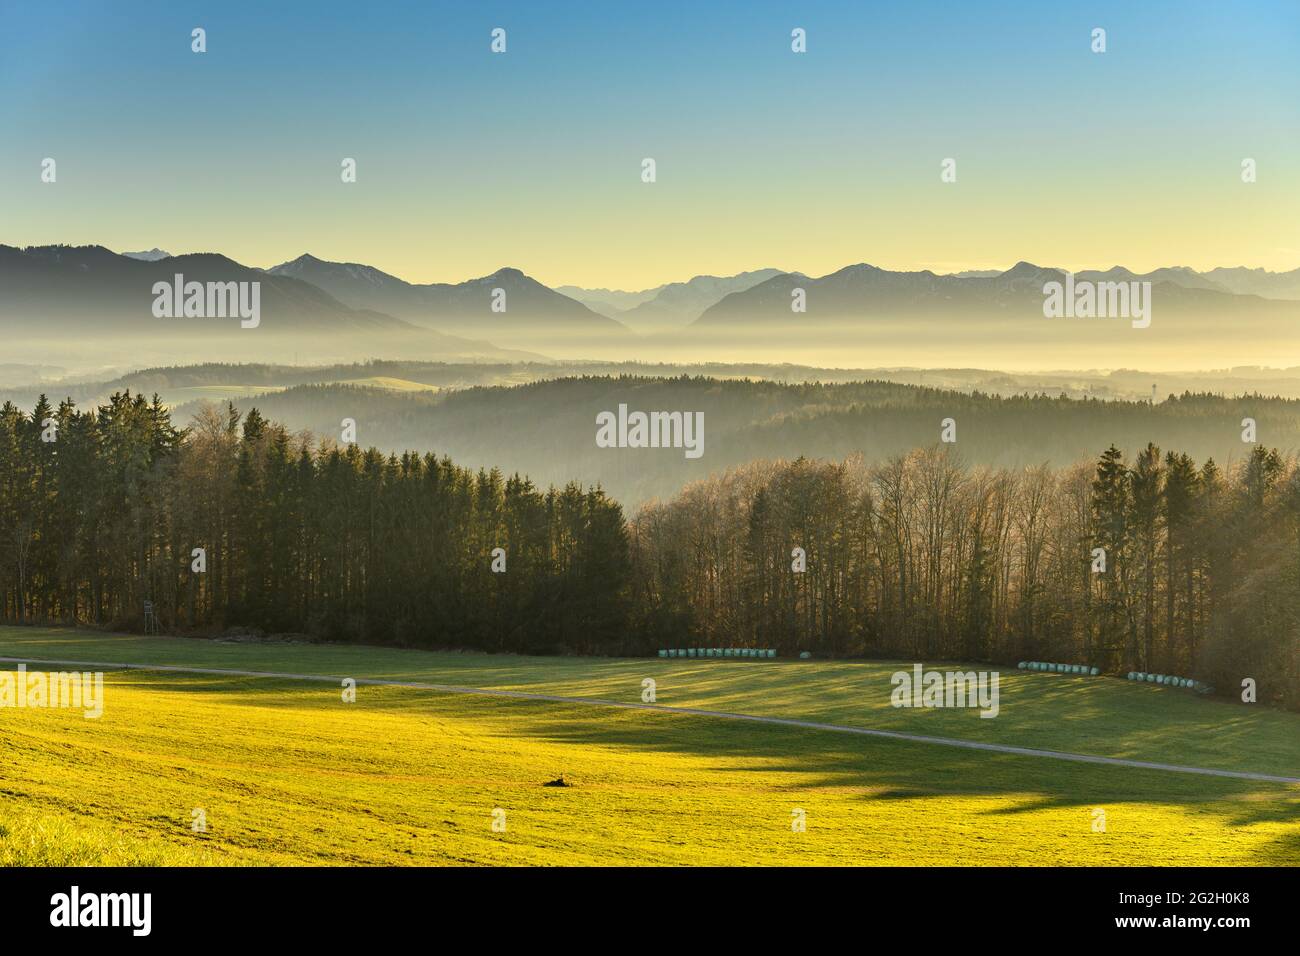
(917, 556)
(546, 429)
(922, 558)
(485, 416)
(23, 383)
(333, 541)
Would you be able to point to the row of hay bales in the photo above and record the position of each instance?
(746, 652)
(1169, 680)
(1081, 669)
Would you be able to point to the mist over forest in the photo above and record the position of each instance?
(547, 430)
(948, 489)
(619, 435)
(539, 419)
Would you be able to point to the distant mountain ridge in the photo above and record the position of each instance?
(680, 303)
(608, 302)
(57, 289)
(92, 288)
(668, 306)
(98, 294)
(1178, 275)
(528, 307)
(864, 290)
(1238, 280)
(152, 255)
(1270, 285)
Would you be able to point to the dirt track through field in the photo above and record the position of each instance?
(665, 709)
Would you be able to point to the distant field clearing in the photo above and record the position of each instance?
(396, 384)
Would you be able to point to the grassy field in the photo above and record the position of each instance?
(394, 384)
(287, 773)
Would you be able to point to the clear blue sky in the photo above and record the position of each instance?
(469, 161)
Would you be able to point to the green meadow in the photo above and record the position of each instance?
(286, 772)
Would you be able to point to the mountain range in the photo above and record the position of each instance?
(151, 255)
(51, 290)
(527, 309)
(98, 302)
(84, 288)
(669, 306)
(864, 291)
(1238, 280)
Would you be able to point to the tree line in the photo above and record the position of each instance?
(235, 522)
(1158, 564)
(545, 429)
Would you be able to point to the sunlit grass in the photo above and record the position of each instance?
(395, 384)
(54, 839)
(1092, 715)
(287, 773)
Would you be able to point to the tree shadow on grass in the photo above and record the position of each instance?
(886, 769)
(883, 764)
(803, 758)
(1079, 714)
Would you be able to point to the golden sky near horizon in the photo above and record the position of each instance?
(469, 161)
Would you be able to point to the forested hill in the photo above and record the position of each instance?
(1157, 563)
(233, 522)
(547, 429)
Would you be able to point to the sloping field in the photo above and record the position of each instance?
(396, 384)
(286, 772)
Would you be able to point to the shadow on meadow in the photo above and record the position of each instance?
(898, 770)
(789, 758)
(1051, 712)
(884, 768)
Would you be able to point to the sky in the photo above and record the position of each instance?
(468, 161)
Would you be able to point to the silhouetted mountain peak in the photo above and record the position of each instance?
(532, 307)
(1026, 270)
(152, 255)
(859, 269)
(92, 288)
(508, 274)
